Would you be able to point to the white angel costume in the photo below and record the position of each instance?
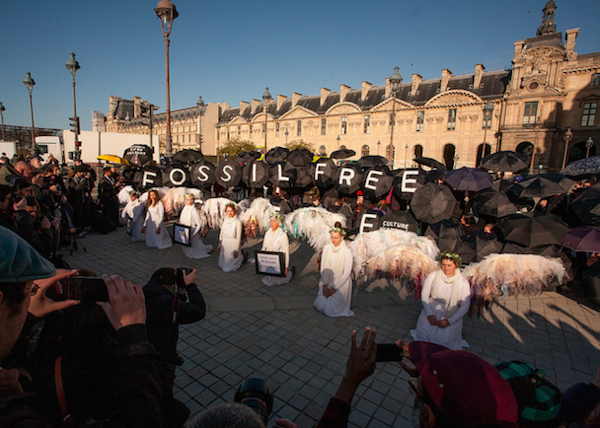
(446, 298)
(231, 239)
(191, 217)
(336, 268)
(155, 219)
(133, 213)
(277, 241)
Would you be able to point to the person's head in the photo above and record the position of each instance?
(36, 162)
(227, 415)
(276, 221)
(134, 194)
(450, 262)
(78, 162)
(152, 197)
(190, 199)
(230, 209)
(164, 276)
(20, 266)
(337, 234)
(459, 389)
(25, 170)
(32, 207)
(107, 171)
(360, 197)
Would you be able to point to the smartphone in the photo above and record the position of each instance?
(388, 352)
(85, 288)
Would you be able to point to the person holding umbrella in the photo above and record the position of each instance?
(446, 297)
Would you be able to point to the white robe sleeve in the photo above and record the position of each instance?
(426, 294)
(196, 222)
(238, 233)
(347, 270)
(138, 211)
(285, 248)
(147, 217)
(161, 214)
(464, 300)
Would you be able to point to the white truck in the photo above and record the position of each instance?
(50, 144)
(8, 148)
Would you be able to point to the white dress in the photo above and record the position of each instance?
(231, 239)
(133, 213)
(191, 217)
(445, 301)
(155, 219)
(279, 242)
(336, 268)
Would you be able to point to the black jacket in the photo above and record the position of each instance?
(165, 312)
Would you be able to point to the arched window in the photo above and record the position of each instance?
(579, 151)
(322, 150)
(482, 151)
(364, 151)
(390, 153)
(418, 151)
(449, 152)
(526, 148)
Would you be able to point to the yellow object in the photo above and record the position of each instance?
(113, 159)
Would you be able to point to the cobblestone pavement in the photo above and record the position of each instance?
(274, 333)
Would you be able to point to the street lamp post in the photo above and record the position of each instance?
(568, 137)
(72, 65)
(395, 81)
(286, 136)
(199, 103)
(588, 145)
(218, 128)
(2, 109)
(267, 98)
(166, 12)
(378, 145)
(487, 114)
(535, 147)
(405, 156)
(30, 83)
(338, 141)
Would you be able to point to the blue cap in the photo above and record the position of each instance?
(19, 261)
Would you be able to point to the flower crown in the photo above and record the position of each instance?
(338, 230)
(134, 193)
(277, 217)
(451, 256)
(230, 204)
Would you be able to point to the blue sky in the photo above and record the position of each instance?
(230, 50)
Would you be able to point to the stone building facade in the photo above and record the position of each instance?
(454, 119)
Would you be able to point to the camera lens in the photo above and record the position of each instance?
(255, 394)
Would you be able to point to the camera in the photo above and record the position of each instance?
(83, 288)
(179, 275)
(388, 352)
(255, 394)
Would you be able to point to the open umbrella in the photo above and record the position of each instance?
(543, 185)
(203, 174)
(371, 161)
(114, 159)
(407, 181)
(492, 203)
(534, 229)
(582, 167)
(350, 177)
(276, 154)
(300, 157)
(477, 245)
(473, 179)
(304, 176)
(445, 233)
(248, 157)
(377, 182)
(403, 220)
(502, 185)
(432, 203)
(256, 174)
(188, 156)
(587, 205)
(325, 172)
(280, 177)
(138, 154)
(342, 154)
(228, 174)
(504, 162)
(583, 238)
(431, 163)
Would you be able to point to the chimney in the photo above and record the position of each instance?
(446, 74)
(280, 100)
(295, 98)
(343, 92)
(137, 108)
(324, 94)
(416, 80)
(519, 47)
(366, 87)
(255, 104)
(243, 106)
(571, 36)
(479, 69)
(388, 88)
(113, 103)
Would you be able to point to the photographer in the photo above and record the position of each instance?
(172, 298)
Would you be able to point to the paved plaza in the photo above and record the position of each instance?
(274, 333)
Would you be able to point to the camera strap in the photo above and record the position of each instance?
(60, 393)
(175, 310)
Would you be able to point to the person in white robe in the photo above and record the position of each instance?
(446, 298)
(134, 215)
(230, 238)
(154, 223)
(190, 216)
(277, 240)
(335, 286)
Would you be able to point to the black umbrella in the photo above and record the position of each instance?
(543, 185)
(492, 203)
(255, 174)
(148, 177)
(176, 176)
(403, 220)
(228, 174)
(587, 205)
(432, 203)
(280, 178)
(505, 161)
(435, 175)
(534, 229)
(371, 161)
(350, 177)
(477, 245)
(445, 233)
(583, 167)
(188, 156)
(431, 163)
(473, 179)
(512, 248)
(325, 172)
(300, 157)
(138, 154)
(342, 154)
(407, 181)
(502, 185)
(377, 182)
(304, 176)
(276, 154)
(203, 174)
(583, 238)
(368, 221)
(248, 157)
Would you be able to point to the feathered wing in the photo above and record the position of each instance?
(312, 224)
(400, 262)
(256, 217)
(174, 199)
(123, 195)
(214, 209)
(161, 192)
